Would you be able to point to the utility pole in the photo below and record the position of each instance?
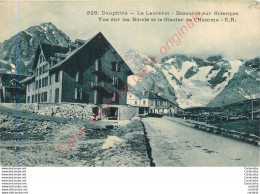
(252, 115)
(223, 103)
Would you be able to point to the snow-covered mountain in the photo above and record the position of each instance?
(189, 81)
(244, 85)
(24, 44)
(154, 79)
(197, 81)
(193, 81)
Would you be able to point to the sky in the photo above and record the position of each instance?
(232, 40)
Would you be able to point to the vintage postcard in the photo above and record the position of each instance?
(129, 83)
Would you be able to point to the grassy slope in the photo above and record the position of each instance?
(246, 126)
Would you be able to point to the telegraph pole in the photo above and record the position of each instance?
(252, 106)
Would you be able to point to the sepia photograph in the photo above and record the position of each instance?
(129, 84)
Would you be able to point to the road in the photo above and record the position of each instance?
(174, 144)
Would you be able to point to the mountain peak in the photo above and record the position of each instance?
(28, 41)
(48, 26)
(134, 52)
(215, 58)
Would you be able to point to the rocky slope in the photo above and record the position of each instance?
(154, 79)
(39, 138)
(196, 82)
(244, 85)
(6, 67)
(22, 47)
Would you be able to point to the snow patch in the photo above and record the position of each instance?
(44, 28)
(13, 67)
(248, 72)
(200, 75)
(235, 64)
(28, 33)
(112, 141)
(38, 29)
(3, 61)
(186, 65)
(170, 60)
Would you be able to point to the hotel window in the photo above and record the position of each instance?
(32, 98)
(115, 81)
(46, 81)
(39, 97)
(115, 97)
(135, 102)
(28, 87)
(40, 83)
(57, 76)
(43, 82)
(37, 84)
(28, 99)
(40, 71)
(113, 66)
(76, 93)
(37, 72)
(44, 96)
(57, 95)
(144, 102)
(117, 67)
(77, 76)
(36, 97)
(98, 65)
(50, 80)
(80, 94)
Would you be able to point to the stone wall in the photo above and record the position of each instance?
(73, 110)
